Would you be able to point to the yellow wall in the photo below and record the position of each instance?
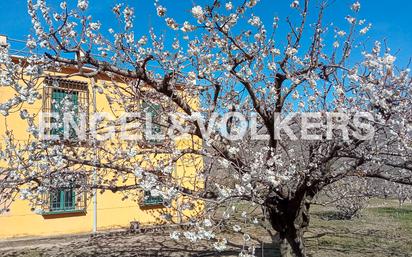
(112, 211)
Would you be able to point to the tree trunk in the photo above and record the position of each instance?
(401, 202)
(290, 218)
(285, 250)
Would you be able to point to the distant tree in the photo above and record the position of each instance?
(387, 189)
(349, 196)
(226, 56)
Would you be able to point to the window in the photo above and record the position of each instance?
(60, 99)
(61, 96)
(152, 110)
(148, 199)
(68, 198)
(63, 200)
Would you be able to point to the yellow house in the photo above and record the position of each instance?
(69, 210)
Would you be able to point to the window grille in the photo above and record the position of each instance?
(67, 198)
(63, 200)
(56, 91)
(153, 110)
(149, 200)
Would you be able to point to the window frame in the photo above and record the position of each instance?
(148, 200)
(62, 201)
(74, 87)
(78, 199)
(155, 109)
(75, 100)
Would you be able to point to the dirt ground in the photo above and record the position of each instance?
(382, 230)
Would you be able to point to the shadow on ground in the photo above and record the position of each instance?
(125, 245)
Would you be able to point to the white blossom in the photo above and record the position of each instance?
(275, 51)
(56, 16)
(82, 4)
(220, 245)
(252, 3)
(225, 163)
(356, 6)
(295, 95)
(233, 150)
(175, 235)
(172, 23)
(238, 68)
(176, 44)
(95, 25)
(364, 30)
(191, 77)
(341, 33)
(229, 6)
(290, 51)
(389, 59)
(142, 40)
(350, 19)
(187, 27)
(191, 236)
(31, 43)
(205, 234)
(197, 12)
(38, 211)
(24, 114)
(138, 172)
(207, 223)
(255, 21)
(63, 5)
(161, 11)
(246, 237)
(132, 152)
(236, 228)
(272, 66)
(294, 4)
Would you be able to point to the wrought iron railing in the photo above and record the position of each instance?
(64, 200)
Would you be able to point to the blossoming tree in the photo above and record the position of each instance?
(225, 56)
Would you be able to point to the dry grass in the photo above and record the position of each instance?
(382, 230)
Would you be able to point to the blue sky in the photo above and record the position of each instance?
(391, 19)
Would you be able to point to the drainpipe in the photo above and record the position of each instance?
(95, 161)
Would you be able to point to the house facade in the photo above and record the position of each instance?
(69, 210)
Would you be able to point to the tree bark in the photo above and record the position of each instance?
(290, 218)
(285, 250)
